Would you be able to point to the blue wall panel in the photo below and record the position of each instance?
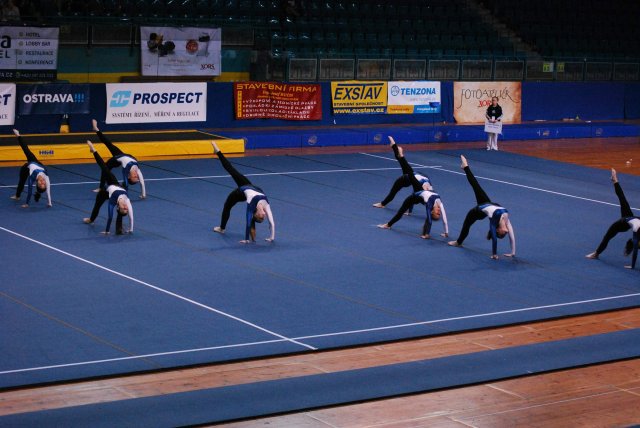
(548, 101)
(557, 101)
(632, 101)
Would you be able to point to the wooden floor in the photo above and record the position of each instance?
(606, 395)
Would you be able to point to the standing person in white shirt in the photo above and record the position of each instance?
(493, 115)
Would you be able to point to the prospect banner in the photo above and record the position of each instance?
(156, 102)
(7, 103)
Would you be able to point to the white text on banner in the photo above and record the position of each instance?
(413, 97)
(156, 102)
(7, 103)
(28, 53)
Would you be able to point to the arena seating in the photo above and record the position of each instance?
(403, 28)
(606, 30)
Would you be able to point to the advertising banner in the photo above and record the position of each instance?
(359, 97)
(7, 103)
(270, 100)
(28, 53)
(471, 100)
(156, 102)
(53, 99)
(188, 51)
(413, 97)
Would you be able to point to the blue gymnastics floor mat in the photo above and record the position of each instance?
(261, 399)
(78, 304)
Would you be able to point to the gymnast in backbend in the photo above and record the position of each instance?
(131, 173)
(626, 222)
(258, 207)
(422, 194)
(115, 194)
(32, 172)
(401, 182)
(499, 223)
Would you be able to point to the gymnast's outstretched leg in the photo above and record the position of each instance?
(474, 213)
(618, 226)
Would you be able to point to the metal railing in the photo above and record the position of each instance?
(498, 69)
(283, 65)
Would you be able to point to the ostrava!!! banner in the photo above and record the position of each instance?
(361, 97)
(7, 103)
(156, 102)
(270, 100)
(53, 99)
(188, 51)
(414, 97)
(471, 100)
(28, 53)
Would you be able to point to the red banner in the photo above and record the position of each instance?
(271, 100)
